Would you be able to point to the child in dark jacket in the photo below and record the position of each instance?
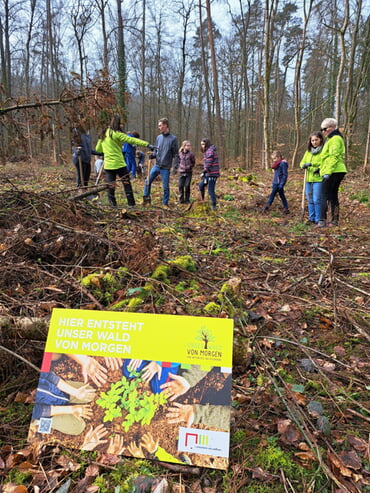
(186, 165)
(280, 167)
(211, 171)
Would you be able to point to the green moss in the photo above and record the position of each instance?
(272, 458)
(134, 302)
(212, 308)
(191, 286)
(119, 306)
(18, 477)
(201, 209)
(167, 231)
(238, 436)
(181, 287)
(192, 309)
(91, 279)
(122, 272)
(274, 260)
(14, 412)
(185, 262)
(161, 273)
(102, 286)
(121, 477)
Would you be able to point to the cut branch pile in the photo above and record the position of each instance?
(298, 297)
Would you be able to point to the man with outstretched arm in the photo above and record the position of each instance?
(166, 156)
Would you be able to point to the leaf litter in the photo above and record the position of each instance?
(298, 297)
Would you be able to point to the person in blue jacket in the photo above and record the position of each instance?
(166, 155)
(129, 152)
(81, 155)
(280, 167)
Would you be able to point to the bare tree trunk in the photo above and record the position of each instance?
(81, 21)
(342, 33)
(121, 60)
(143, 49)
(28, 51)
(101, 5)
(205, 74)
(297, 82)
(219, 125)
(185, 12)
(270, 12)
(6, 60)
(367, 151)
(357, 73)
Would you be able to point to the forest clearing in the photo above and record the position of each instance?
(299, 298)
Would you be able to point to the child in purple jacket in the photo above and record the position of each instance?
(186, 165)
(280, 167)
(211, 171)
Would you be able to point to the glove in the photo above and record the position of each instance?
(306, 165)
(151, 147)
(151, 156)
(175, 171)
(325, 177)
(203, 174)
(316, 171)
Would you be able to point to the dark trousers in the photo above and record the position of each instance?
(184, 188)
(86, 171)
(110, 176)
(280, 191)
(211, 183)
(329, 196)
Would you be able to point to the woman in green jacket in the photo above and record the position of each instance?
(332, 171)
(311, 162)
(110, 144)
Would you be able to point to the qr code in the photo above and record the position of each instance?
(45, 425)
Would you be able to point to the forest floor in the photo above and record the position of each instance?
(299, 299)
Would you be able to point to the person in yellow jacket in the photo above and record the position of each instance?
(110, 144)
(332, 171)
(311, 162)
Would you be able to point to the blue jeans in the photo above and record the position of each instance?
(131, 163)
(165, 175)
(280, 191)
(313, 194)
(211, 182)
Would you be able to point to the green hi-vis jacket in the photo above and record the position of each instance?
(332, 155)
(315, 160)
(111, 147)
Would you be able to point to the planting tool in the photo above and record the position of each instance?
(99, 174)
(303, 194)
(80, 167)
(146, 196)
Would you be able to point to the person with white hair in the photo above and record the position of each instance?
(332, 171)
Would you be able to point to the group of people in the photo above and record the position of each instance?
(123, 160)
(324, 167)
(323, 163)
